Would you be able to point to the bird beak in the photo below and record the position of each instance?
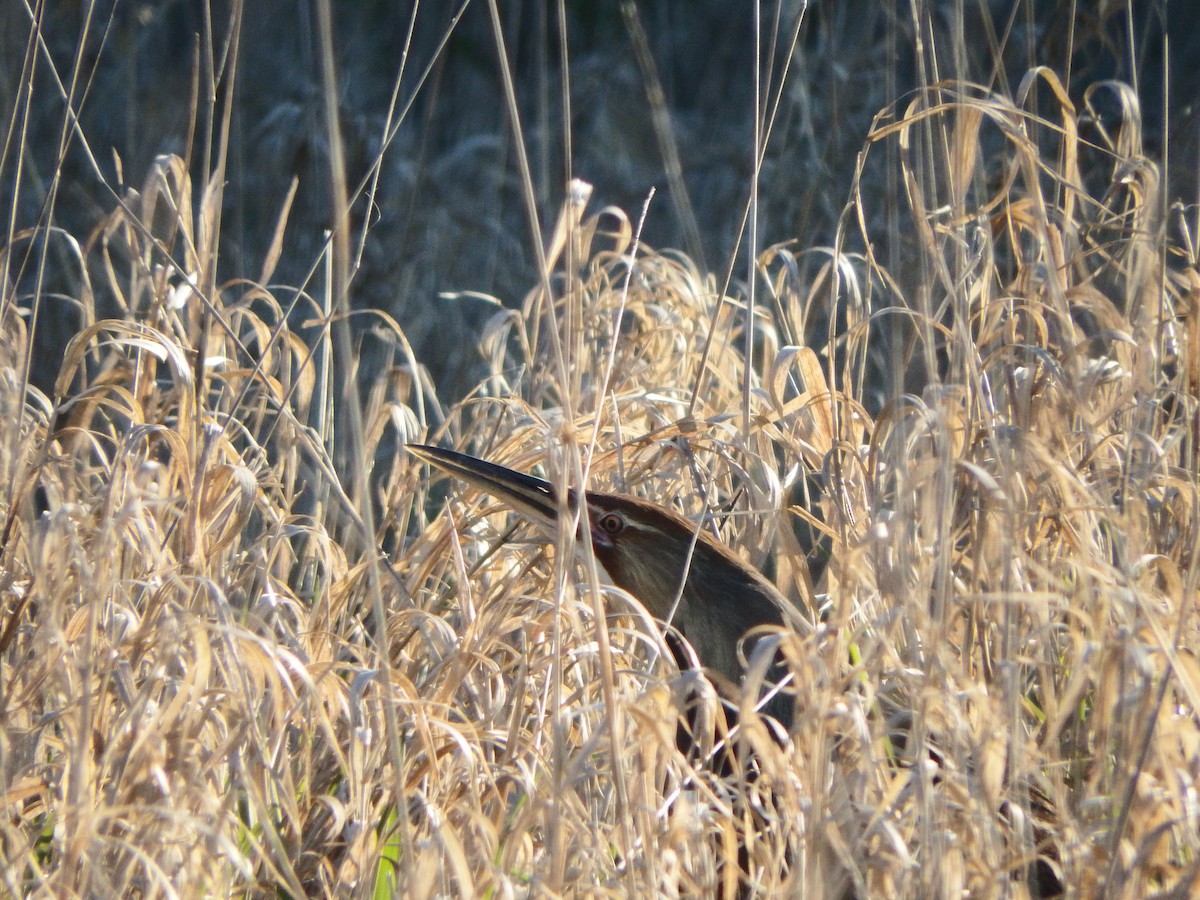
(533, 497)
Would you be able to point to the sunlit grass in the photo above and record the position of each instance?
(236, 658)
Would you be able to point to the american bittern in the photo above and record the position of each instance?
(681, 574)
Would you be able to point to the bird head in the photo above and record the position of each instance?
(648, 550)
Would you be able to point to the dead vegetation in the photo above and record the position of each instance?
(237, 659)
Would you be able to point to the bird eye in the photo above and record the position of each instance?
(612, 523)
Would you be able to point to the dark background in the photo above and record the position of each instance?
(448, 215)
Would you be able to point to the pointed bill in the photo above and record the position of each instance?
(531, 496)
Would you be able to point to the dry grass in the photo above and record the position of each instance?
(213, 682)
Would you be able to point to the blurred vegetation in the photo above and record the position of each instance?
(448, 214)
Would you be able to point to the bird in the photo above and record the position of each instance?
(687, 578)
(682, 575)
